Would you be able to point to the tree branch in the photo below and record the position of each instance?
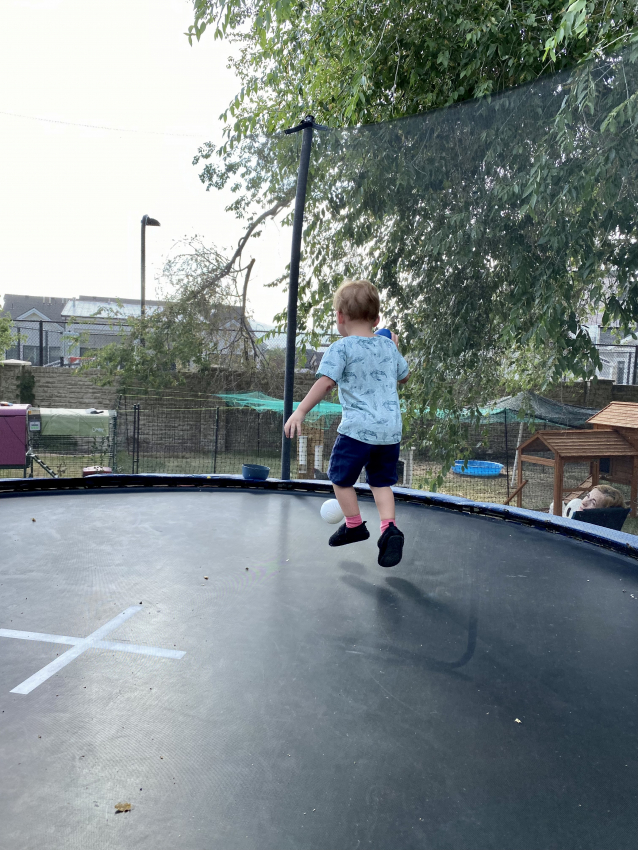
(271, 213)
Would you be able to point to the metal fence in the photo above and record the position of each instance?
(189, 437)
(211, 439)
(180, 433)
(620, 363)
(64, 343)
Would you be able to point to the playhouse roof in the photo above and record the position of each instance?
(579, 444)
(618, 414)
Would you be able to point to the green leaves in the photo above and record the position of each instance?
(493, 229)
(573, 24)
(7, 333)
(352, 61)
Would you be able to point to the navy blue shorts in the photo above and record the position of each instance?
(349, 456)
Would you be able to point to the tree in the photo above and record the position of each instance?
(7, 333)
(26, 388)
(362, 61)
(493, 228)
(202, 324)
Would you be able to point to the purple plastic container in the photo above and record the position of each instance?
(13, 435)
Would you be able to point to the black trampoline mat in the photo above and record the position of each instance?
(482, 694)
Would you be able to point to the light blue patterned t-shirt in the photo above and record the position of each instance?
(366, 370)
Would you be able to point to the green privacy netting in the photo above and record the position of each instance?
(533, 408)
(260, 401)
(528, 407)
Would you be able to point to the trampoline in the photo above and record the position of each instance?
(192, 647)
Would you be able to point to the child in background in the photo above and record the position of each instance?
(366, 369)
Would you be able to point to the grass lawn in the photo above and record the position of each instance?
(492, 490)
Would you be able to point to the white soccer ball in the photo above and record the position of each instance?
(569, 508)
(331, 512)
(572, 506)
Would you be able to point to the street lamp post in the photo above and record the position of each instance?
(151, 222)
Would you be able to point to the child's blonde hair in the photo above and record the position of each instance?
(613, 498)
(358, 300)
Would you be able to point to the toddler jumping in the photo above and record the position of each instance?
(366, 369)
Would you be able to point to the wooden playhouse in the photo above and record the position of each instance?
(610, 449)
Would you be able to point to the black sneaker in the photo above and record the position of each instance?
(344, 535)
(390, 546)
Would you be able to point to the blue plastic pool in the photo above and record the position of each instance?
(477, 468)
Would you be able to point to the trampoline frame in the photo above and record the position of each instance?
(617, 541)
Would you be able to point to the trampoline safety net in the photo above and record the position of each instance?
(495, 230)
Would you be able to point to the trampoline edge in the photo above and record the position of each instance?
(618, 541)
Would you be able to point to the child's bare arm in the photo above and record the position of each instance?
(317, 393)
(395, 340)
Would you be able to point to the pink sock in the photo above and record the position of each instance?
(385, 523)
(353, 521)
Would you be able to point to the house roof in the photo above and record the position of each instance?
(77, 308)
(621, 414)
(87, 306)
(579, 444)
(20, 305)
(54, 309)
(113, 299)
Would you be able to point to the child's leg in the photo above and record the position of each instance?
(346, 462)
(348, 502)
(384, 500)
(382, 475)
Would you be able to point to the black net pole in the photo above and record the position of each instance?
(143, 278)
(216, 435)
(258, 435)
(41, 344)
(135, 466)
(293, 287)
(507, 456)
(137, 442)
(133, 444)
(114, 444)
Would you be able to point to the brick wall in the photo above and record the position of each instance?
(57, 388)
(596, 393)
(68, 388)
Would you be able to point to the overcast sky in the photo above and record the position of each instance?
(72, 196)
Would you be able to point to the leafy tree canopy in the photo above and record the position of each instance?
(494, 228)
(360, 61)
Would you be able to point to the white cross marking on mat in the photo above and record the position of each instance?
(80, 645)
